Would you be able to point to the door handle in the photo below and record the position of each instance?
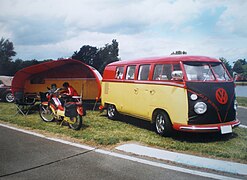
(152, 92)
(136, 90)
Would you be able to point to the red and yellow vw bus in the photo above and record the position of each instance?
(184, 93)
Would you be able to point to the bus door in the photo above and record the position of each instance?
(143, 92)
(129, 91)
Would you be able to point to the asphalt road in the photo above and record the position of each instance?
(24, 156)
(242, 115)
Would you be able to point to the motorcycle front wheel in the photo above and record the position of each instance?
(46, 113)
(75, 122)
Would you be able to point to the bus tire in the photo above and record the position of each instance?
(162, 123)
(112, 111)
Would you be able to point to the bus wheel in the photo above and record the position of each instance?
(111, 111)
(163, 125)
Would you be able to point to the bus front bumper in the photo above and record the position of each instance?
(208, 128)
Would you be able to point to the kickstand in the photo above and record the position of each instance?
(61, 123)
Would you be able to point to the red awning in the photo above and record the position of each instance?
(67, 68)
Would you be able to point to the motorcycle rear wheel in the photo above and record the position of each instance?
(46, 113)
(77, 122)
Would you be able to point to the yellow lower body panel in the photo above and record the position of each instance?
(141, 100)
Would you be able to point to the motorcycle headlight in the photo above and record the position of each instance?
(200, 107)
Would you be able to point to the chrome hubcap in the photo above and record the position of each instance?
(111, 111)
(10, 97)
(160, 123)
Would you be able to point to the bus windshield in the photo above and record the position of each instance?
(206, 72)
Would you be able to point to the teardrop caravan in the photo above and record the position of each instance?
(34, 79)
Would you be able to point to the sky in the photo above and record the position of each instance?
(51, 29)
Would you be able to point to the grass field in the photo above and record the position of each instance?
(99, 131)
(241, 83)
(242, 101)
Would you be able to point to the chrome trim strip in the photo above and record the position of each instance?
(198, 128)
(205, 128)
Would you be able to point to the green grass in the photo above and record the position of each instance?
(99, 131)
(241, 83)
(242, 101)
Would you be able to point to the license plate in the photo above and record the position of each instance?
(226, 129)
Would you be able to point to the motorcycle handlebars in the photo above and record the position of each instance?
(64, 96)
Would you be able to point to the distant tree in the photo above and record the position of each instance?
(106, 55)
(227, 65)
(6, 50)
(178, 52)
(242, 61)
(19, 64)
(238, 67)
(87, 54)
(98, 58)
(6, 54)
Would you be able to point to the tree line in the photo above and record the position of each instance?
(93, 56)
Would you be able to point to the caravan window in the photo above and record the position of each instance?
(37, 80)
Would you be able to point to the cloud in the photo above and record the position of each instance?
(234, 19)
(104, 14)
(33, 31)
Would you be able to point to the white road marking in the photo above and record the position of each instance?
(202, 162)
(242, 126)
(139, 160)
(243, 107)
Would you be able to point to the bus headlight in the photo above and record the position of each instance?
(200, 107)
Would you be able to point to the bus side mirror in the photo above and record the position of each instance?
(177, 75)
(235, 76)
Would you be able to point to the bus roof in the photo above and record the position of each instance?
(171, 58)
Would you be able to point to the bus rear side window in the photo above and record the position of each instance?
(119, 73)
(176, 67)
(130, 75)
(143, 72)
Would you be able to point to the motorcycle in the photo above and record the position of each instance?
(61, 107)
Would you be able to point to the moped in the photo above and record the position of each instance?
(55, 105)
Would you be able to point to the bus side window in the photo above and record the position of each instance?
(130, 75)
(162, 72)
(168, 71)
(143, 72)
(176, 67)
(119, 73)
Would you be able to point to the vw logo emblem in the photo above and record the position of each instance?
(221, 96)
